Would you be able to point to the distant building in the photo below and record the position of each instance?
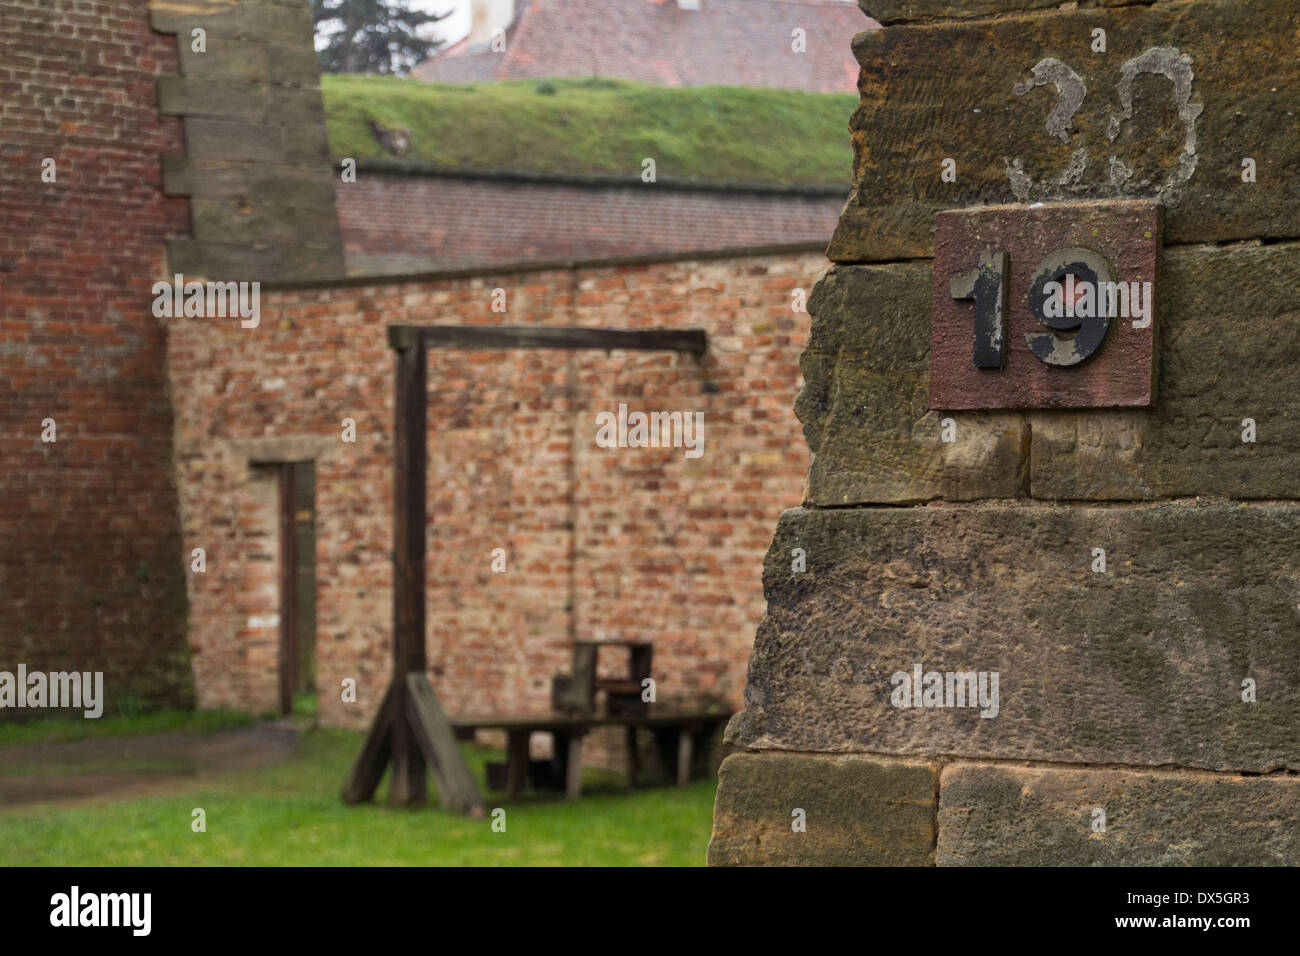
(666, 42)
(426, 220)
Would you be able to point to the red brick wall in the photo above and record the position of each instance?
(396, 224)
(600, 543)
(91, 572)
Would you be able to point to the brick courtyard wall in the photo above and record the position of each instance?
(403, 223)
(598, 543)
(91, 575)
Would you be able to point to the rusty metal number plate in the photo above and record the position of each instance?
(1045, 306)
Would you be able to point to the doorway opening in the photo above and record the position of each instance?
(297, 554)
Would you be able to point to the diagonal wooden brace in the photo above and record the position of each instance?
(411, 717)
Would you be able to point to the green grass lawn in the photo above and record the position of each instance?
(600, 126)
(291, 815)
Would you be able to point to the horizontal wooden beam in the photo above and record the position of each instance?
(693, 341)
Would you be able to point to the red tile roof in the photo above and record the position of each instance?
(724, 42)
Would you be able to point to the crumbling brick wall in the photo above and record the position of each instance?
(599, 543)
(1148, 712)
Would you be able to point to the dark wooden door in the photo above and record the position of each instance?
(288, 590)
(297, 484)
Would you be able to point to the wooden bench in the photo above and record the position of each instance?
(677, 734)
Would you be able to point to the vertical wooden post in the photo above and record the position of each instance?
(573, 765)
(633, 758)
(685, 755)
(407, 783)
(640, 657)
(516, 762)
(583, 688)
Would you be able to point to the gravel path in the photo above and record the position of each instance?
(127, 766)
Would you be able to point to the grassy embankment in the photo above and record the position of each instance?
(599, 126)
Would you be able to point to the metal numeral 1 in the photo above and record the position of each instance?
(986, 285)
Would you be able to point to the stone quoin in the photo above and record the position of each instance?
(973, 448)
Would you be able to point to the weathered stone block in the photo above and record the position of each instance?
(280, 184)
(321, 259)
(208, 96)
(205, 177)
(242, 19)
(301, 115)
(294, 64)
(1143, 664)
(858, 811)
(238, 61)
(229, 140)
(224, 261)
(1178, 100)
(296, 186)
(181, 16)
(905, 11)
(1006, 815)
(1230, 332)
(864, 401)
(262, 222)
(275, 22)
(879, 442)
(290, 105)
(877, 314)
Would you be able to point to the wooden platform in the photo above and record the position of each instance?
(556, 720)
(677, 734)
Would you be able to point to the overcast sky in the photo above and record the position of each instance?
(456, 25)
(450, 29)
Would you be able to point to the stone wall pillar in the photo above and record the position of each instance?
(1147, 713)
(256, 166)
